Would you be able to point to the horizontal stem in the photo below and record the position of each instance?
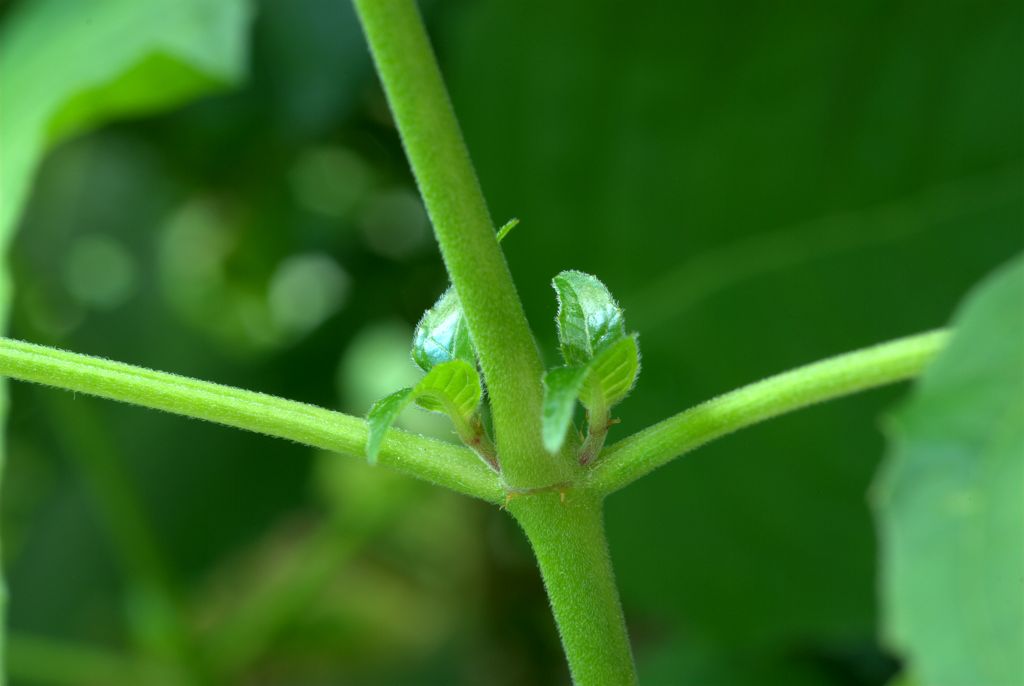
(441, 463)
(643, 452)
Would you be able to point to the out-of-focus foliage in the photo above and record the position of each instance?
(795, 180)
(949, 501)
(65, 68)
(68, 67)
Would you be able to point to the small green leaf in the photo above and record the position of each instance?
(612, 374)
(601, 361)
(380, 418)
(949, 500)
(450, 387)
(507, 228)
(561, 387)
(588, 316)
(442, 334)
(599, 385)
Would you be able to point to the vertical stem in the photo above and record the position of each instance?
(569, 542)
(465, 232)
(567, 537)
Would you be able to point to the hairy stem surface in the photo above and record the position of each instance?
(442, 463)
(567, 535)
(465, 232)
(643, 452)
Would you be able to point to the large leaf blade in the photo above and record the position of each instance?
(69, 66)
(950, 501)
(74, 65)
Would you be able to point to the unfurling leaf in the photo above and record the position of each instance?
(562, 385)
(599, 385)
(442, 335)
(612, 373)
(506, 229)
(380, 418)
(588, 316)
(451, 387)
(601, 362)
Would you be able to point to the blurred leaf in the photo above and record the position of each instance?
(442, 334)
(562, 386)
(950, 500)
(588, 316)
(66, 67)
(450, 387)
(75, 65)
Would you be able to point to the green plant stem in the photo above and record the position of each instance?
(597, 431)
(462, 223)
(455, 467)
(567, 534)
(886, 363)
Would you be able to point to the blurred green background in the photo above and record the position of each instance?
(761, 185)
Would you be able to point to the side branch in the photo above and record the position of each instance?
(442, 463)
(643, 452)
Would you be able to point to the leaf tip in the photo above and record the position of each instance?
(506, 229)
